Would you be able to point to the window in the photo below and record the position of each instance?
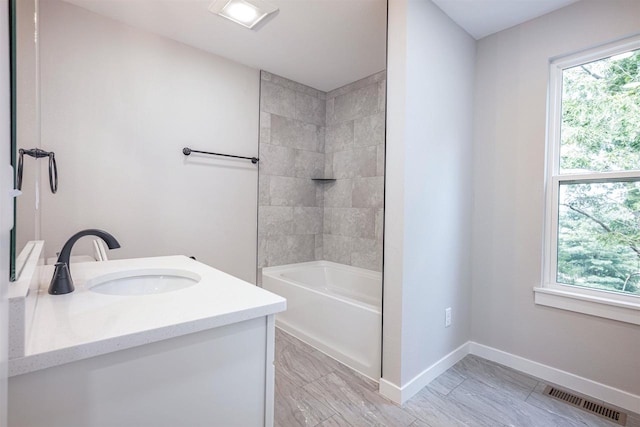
(592, 230)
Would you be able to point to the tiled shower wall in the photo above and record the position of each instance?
(292, 118)
(305, 134)
(354, 155)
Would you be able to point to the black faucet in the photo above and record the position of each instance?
(61, 282)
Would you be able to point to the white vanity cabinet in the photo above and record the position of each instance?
(93, 360)
(218, 377)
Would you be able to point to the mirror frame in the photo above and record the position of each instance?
(13, 143)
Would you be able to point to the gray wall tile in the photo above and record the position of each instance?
(306, 133)
(380, 163)
(276, 159)
(366, 253)
(337, 248)
(350, 222)
(286, 191)
(359, 162)
(322, 131)
(379, 224)
(265, 120)
(308, 164)
(293, 133)
(382, 95)
(331, 113)
(319, 193)
(328, 165)
(263, 190)
(338, 194)
(262, 253)
(319, 247)
(358, 84)
(361, 102)
(369, 130)
(291, 249)
(275, 220)
(328, 221)
(307, 220)
(339, 137)
(277, 99)
(368, 192)
(265, 136)
(290, 84)
(310, 109)
(362, 223)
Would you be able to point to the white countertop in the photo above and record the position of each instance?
(83, 324)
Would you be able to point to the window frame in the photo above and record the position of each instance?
(601, 303)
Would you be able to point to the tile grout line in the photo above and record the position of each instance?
(471, 410)
(531, 392)
(451, 391)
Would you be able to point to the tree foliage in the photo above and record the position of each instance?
(599, 223)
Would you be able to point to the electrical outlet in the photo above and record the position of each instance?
(447, 317)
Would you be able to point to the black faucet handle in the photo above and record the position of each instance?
(61, 282)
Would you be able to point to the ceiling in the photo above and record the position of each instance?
(481, 18)
(324, 44)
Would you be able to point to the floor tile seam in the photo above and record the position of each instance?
(438, 391)
(457, 371)
(422, 421)
(531, 392)
(508, 369)
(415, 417)
(467, 410)
(342, 374)
(451, 391)
(329, 417)
(343, 371)
(496, 387)
(503, 374)
(294, 380)
(472, 411)
(316, 380)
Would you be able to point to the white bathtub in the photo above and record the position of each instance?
(333, 307)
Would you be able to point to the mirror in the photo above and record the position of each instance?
(117, 89)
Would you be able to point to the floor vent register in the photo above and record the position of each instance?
(599, 409)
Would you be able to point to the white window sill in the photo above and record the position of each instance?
(599, 306)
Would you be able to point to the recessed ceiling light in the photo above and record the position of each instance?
(244, 12)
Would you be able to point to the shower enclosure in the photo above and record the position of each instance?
(321, 195)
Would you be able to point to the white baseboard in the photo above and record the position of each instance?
(608, 394)
(402, 394)
(558, 377)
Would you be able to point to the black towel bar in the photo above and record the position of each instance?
(186, 151)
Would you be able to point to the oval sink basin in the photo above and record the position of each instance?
(143, 282)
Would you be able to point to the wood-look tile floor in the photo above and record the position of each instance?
(313, 389)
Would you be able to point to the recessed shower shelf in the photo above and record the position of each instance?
(322, 180)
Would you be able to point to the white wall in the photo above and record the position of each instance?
(508, 177)
(428, 188)
(118, 106)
